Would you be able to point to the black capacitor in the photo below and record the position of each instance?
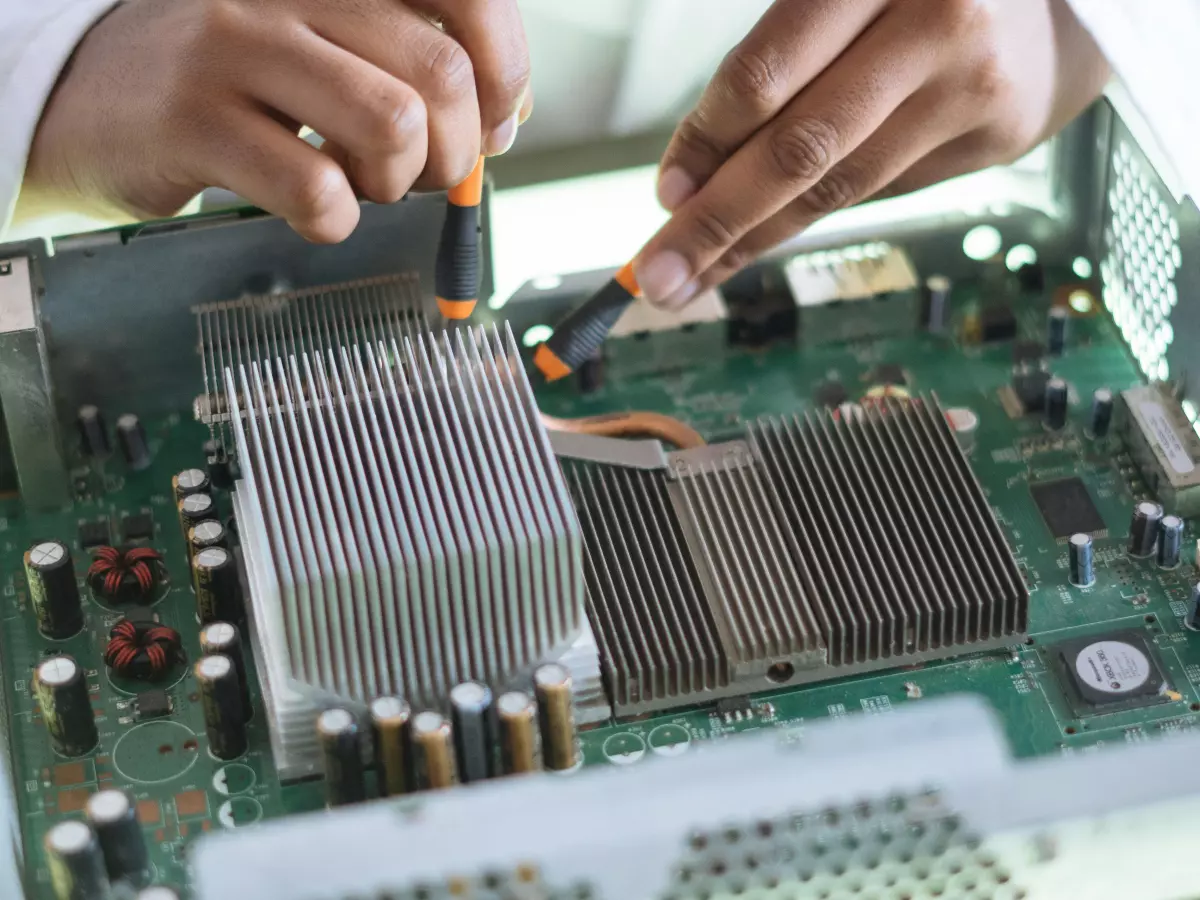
(342, 753)
(53, 589)
(75, 862)
(517, 715)
(1193, 613)
(1170, 542)
(196, 508)
(391, 721)
(190, 481)
(554, 688)
(93, 432)
(209, 533)
(132, 438)
(224, 639)
(221, 697)
(1057, 400)
(1143, 530)
(62, 692)
(218, 592)
(474, 722)
(1056, 332)
(936, 303)
(1081, 560)
(113, 818)
(1102, 412)
(220, 470)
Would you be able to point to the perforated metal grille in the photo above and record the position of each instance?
(1143, 256)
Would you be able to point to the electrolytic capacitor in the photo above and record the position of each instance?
(220, 471)
(62, 692)
(1143, 530)
(218, 591)
(75, 862)
(342, 755)
(1102, 412)
(53, 589)
(224, 639)
(190, 481)
(196, 508)
(936, 301)
(1057, 400)
(208, 534)
(1081, 560)
(131, 437)
(556, 716)
(114, 820)
(221, 698)
(1056, 338)
(474, 730)
(1170, 542)
(433, 751)
(391, 721)
(93, 432)
(517, 715)
(1193, 612)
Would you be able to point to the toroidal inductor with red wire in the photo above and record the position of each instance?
(143, 650)
(122, 575)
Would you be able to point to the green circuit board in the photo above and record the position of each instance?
(182, 792)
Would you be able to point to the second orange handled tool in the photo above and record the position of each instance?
(581, 333)
(459, 269)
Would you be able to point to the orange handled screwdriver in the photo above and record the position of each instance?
(581, 333)
(459, 269)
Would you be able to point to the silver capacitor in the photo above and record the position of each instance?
(1081, 560)
(1170, 542)
(1143, 530)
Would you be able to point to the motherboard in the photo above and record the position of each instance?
(885, 490)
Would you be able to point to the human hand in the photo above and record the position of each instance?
(164, 98)
(828, 103)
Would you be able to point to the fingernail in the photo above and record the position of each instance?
(502, 138)
(675, 188)
(526, 109)
(662, 275)
(682, 297)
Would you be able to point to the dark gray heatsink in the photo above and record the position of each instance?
(823, 545)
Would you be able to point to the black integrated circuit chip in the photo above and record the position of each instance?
(1030, 390)
(1068, 508)
(831, 394)
(892, 374)
(1109, 672)
(997, 322)
(95, 533)
(153, 704)
(137, 527)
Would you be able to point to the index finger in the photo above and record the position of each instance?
(493, 35)
(843, 107)
(789, 47)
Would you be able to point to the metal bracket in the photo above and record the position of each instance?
(26, 393)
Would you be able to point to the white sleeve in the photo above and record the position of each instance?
(1152, 47)
(37, 38)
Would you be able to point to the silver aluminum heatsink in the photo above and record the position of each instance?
(404, 523)
(822, 546)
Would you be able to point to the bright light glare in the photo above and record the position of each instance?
(1082, 267)
(982, 242)
(537, 335)
(1020, 256)
(1081, 302)
(547, 282)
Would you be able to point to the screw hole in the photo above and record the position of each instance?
(1151, 619)
(781, 673)
(1071, 730)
